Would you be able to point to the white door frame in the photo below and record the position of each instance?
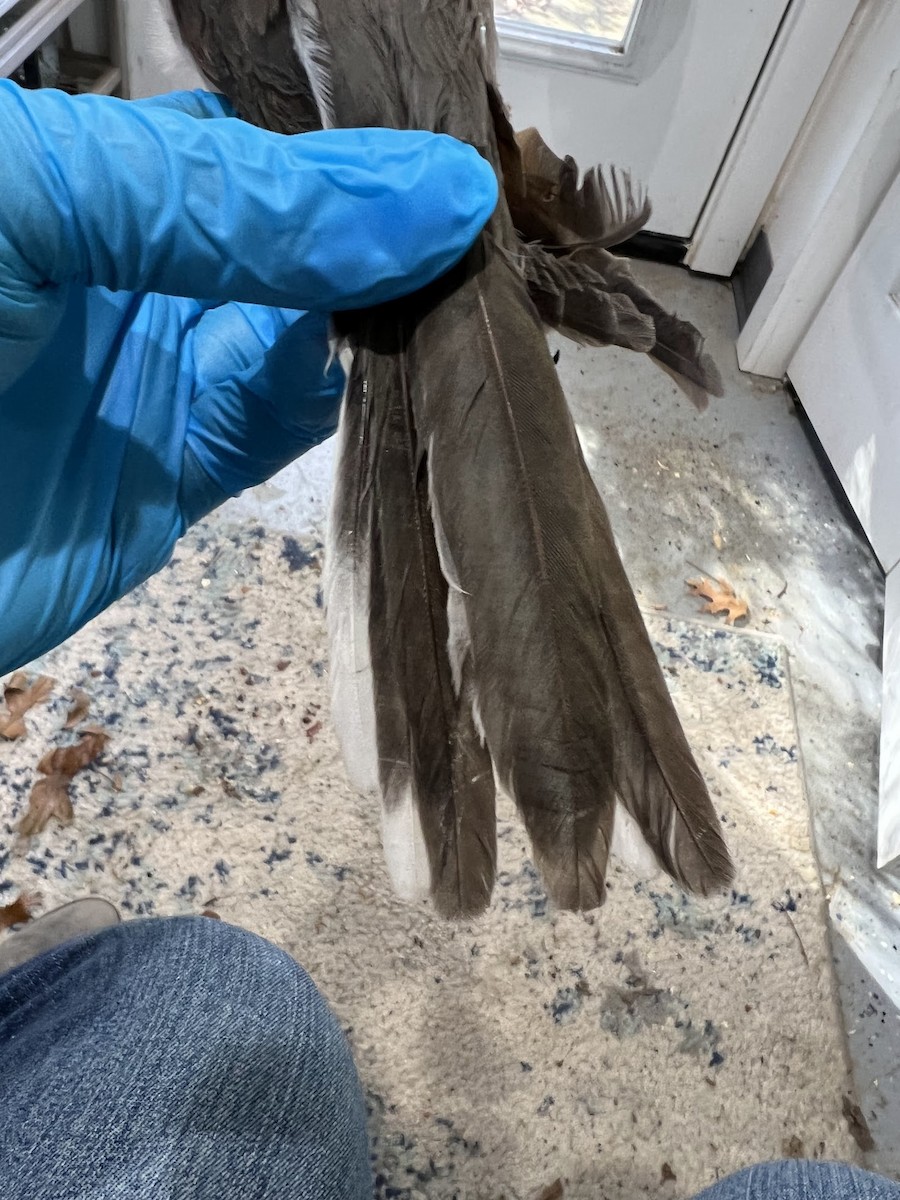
(889, 760)
(839, 171)
(810, 35)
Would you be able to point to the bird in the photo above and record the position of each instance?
(485, 639)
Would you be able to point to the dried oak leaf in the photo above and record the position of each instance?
(793, 1147)
(50, 797)
(859, 1127)
(20, 695)
(19, 911)
(553, 1191)
(81, 703)
(721, 598)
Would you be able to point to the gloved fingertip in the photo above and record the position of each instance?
(197, 103)
(471, 190)
(222, 103)
(435, 196)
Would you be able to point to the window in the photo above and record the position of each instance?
(608, 21)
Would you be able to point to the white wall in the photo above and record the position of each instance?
(89, 27)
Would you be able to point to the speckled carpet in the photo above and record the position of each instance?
(642, 1050)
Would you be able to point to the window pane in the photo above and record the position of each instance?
(606, 19)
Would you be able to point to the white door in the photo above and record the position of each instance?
(847, 374)
(657, 86)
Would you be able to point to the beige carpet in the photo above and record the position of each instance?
(659, 1037)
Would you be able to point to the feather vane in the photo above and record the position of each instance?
(484, 631)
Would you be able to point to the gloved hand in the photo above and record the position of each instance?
(144, 375)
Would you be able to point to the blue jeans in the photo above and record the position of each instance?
(185, 1059)
(181, 1059)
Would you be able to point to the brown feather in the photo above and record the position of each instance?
(654, 771)
(551, 205)
(348, 571)
(562, 672)
(246, 51)
(436, 775)
(406, 731)
(591, 296)
(512, 502)
(578, 287)
(680, 347)
(575, 300)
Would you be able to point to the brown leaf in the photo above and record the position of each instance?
(859, 1128)
(67, 761)
(721, 597)
(793, 1147)
(81, 703)
(211, 913)
(50, 797)
(19, 911)
(553, 1191)
(20, 695)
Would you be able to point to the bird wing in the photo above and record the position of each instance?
(246, 49)
(495, 599)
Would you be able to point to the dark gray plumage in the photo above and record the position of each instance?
(433, 771)
(475, 583)
(577, 285)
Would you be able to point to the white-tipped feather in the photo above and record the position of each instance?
(347, 612)
(459, 641)
(312, 49)
(479, 722)
(448, 567)
(405, 851)
(629, 845)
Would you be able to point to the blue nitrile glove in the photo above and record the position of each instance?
(141, 380)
